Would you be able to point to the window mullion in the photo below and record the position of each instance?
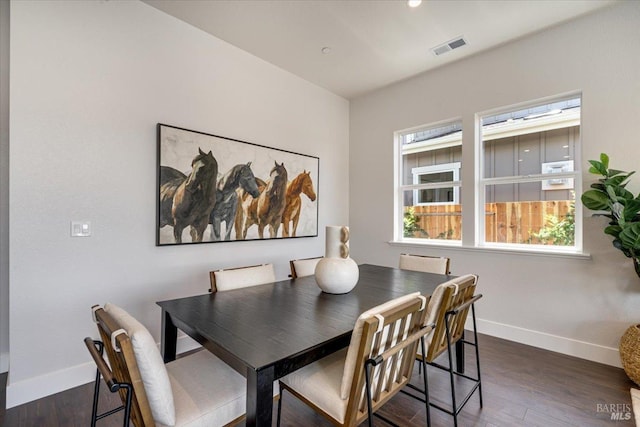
(434, 185)
(529, 178)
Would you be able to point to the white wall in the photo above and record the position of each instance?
(575, 306)
(89, 81)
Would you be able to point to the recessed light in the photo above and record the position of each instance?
(325, 50)
(414, 3)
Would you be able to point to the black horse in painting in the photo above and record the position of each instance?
(240, 176)
(188, 200)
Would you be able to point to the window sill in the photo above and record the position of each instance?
(457, 246)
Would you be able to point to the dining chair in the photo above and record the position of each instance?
(350, 385)
(303, 267)
(424, 263)
(195, 390)
(448, 309)
(241, 277)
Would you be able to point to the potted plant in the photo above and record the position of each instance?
(609, 197)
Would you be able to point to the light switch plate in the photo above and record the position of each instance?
(80, 229)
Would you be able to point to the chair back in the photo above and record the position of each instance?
(424, 263)
(303, 267)
(241, 277)
(124, 368)
(388, 334)
(450, 300)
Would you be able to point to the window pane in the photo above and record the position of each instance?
(525, 142)
(429, 178)
(432, 154)
(435, 221)
(435, 195)
(511, 217)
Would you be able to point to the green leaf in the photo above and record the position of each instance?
(613, 230)
(619, 194)
(618, 245)
(617, 180)
(597, 168)
(605, 160)
(631, 209)
(630, 236)
(615, 172)
(595, 200)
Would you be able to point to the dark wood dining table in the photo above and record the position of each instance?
(265, 332)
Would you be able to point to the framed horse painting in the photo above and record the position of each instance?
(217, 189)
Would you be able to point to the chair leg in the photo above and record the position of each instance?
(96, 393)
(96, 387)
(367, 373)
(451, 374)
(127, 406)
(423, 364)
(113, 389)
(475, 338)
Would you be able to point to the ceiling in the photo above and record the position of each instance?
(372, 43)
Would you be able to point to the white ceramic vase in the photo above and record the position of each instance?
(336, 273)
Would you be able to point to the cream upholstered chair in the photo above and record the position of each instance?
(241, 277)
(448, 309)
(350, 385)
(196, 390)
(424, 263)
(303, 267)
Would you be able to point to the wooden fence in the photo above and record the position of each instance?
(507, 222)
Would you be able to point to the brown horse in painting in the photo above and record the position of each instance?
(246, 212)
(301, 184)
(191, 197)
(170, 180)
(267, 209)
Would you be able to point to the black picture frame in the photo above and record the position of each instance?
(213, 189)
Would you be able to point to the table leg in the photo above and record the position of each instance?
(259, 397)
(169, 338)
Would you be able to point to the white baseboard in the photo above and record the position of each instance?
(35, 388)
(584, 350)
(44, 385)
(4, 363)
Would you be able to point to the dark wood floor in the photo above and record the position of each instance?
(522, 386)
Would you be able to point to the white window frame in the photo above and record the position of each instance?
(473, 171)
(400, 188)
(482, 183)
(426, 170)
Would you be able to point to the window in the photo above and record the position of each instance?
(527, 175)
(447, 172)
(519, 149)
(429, 176)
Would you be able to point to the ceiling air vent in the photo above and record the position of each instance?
(448, 46)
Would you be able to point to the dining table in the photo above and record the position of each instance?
(267, 331)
